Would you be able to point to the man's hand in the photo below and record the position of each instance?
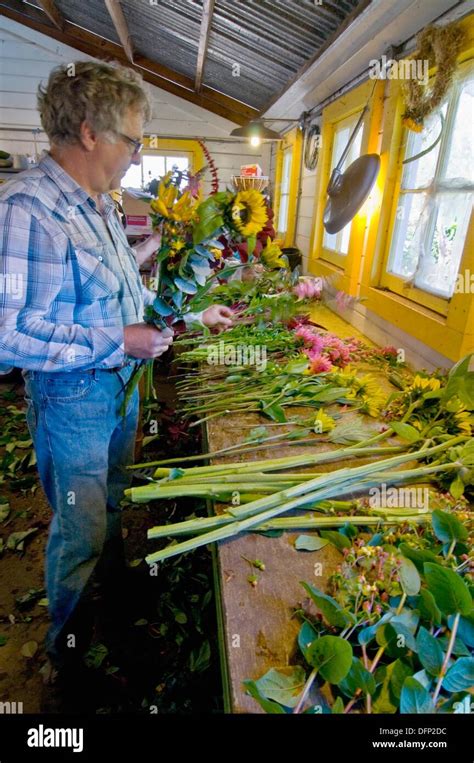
(145, 341)
(218, 316)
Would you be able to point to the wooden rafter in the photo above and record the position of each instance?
(207, 11)
(118, 19)
(52, 13)
(152, 72)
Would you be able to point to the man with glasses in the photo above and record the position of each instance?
(77, 331)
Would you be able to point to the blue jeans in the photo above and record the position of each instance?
(82, 445)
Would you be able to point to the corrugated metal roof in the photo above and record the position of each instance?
(255, 46)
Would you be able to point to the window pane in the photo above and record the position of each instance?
(438, 269)
(407, 240)
(133, 177)
(460, 163)
(285, 190)
(283, 214)
(339, 242)
(153, 167)
(420, 173)
(177, 163)
(431, 227)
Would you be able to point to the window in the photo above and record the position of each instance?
(433, 210)
(339, 242)
(153, 166)
(285, 191)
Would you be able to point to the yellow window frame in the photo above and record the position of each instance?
(344, 270)
(392, 281)
(155, 145)
(293, 141)
(446, 326)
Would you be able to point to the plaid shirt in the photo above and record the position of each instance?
(69, 281)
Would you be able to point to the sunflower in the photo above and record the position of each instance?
(249, 212)
(372, 405)
(424, 384)
(463, 421)
(323, 422)
(271, 255)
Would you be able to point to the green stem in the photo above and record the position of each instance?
(306, 689)
(447, 657)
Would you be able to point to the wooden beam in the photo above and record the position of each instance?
(152, 72)
(118, 19)
(52, 13)
(207, 11)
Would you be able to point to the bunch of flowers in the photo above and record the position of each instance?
(366, 580)
(192, 251)
(428, 406)
(362, 389)
(327, 351)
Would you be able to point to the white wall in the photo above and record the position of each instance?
(26, 59)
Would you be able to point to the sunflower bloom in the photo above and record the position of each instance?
(424, 384)
(463, 421)
(323, 422)
(271, 255)
(249, 212)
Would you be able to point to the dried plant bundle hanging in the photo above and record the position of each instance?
(440, 47)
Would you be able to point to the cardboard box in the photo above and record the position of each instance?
(251, 171)
(137, 216)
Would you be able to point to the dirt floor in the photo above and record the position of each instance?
(165, 660)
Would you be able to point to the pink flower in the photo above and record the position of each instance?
(320, 365)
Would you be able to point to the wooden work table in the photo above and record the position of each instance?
(257, 630)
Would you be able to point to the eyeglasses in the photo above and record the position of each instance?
(137, 145)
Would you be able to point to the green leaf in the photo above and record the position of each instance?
(429, 651)
(284, 685)
(96, 655)
(456, 487)
(357, 678)
(274, 412)
(409, 577)
(449, 589)
(310, 543)
(160, 307)
(332, 657)
(16, 541)
(460, 676)
(338, 706)
(4, 511)
(391, 678)
(414, 698)
(331, 610)
(189, 287)
(419, 556)
(405, 431)
(397, 678)
(337, 539)
(447, 527)
(3, 640)
(428, 608)
(200, 658)
(251, 243)
(465, 628)
(306, 636)
(267, 704)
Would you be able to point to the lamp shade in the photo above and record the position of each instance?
(255, 129)
(347, 191)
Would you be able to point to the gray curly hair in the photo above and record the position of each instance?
(85, 90)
